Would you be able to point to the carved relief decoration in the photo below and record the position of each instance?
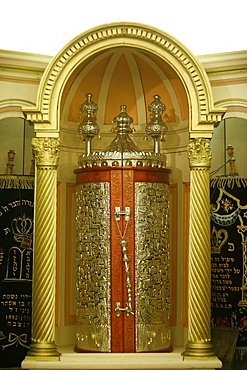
(152, 267)
(199, 153)
(46, 151)
(93, 267)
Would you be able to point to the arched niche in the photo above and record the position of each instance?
(200, 115)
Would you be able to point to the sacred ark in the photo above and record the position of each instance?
(122, 222)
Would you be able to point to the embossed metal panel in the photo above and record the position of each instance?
(123, 282)
(93, 267)
(152, 278)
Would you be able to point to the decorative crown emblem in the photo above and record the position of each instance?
(218, 239)
(22, 228)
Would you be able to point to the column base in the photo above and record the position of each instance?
(42, 351)
(199, 351)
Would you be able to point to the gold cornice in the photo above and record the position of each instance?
(233, 107)
(22, 67)
(22, 58)
(240, 68)
(225, 69)
(25, 80)
(12, 107)
(239, 105)
(223, 61)
(7, 65)
(228, 81)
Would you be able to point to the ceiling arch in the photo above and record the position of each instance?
(149, 42)
(124, 76)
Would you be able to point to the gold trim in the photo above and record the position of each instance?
(16, 182)
(173, 252)
(58, 254)
(229, 181)
(42, 351)
(185, 243)
(200, 350)
(69, 318)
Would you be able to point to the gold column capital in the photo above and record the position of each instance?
(46, 151)
(199, 153)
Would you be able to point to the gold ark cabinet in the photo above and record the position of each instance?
(122, 222)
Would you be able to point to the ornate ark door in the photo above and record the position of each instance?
(123, 259)
(122, 221)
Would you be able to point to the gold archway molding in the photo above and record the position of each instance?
(46, 114)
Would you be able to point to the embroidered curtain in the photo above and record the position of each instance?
(229, 255)
(16, 250)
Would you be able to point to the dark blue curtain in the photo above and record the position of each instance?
(16, 261)
(229, 255)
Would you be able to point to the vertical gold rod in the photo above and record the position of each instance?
(43, 345)
(199, 258)
(199, 304)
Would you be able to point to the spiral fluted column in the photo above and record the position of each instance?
(43, 345)
(199, 283)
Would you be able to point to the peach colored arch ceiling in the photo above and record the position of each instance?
(148, 45)
(124, 75)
